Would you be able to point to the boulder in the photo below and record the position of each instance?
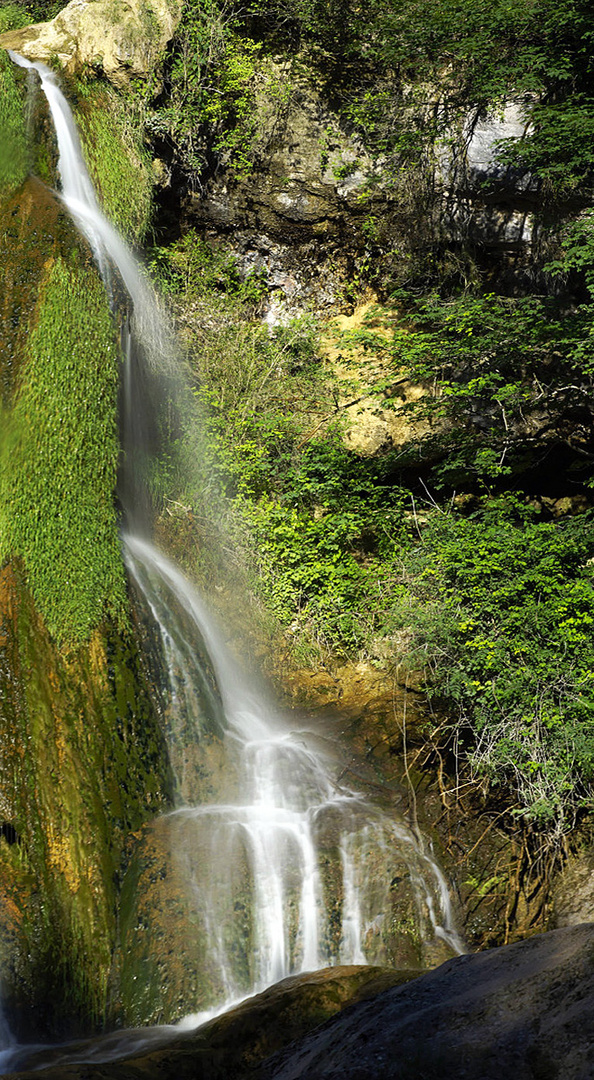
(523, 1011)
(121, 38)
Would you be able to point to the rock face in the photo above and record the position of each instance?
(483, 201)
(318, 209)
(298, 216)
(524, 1011)
(122, 38)
(573, 893)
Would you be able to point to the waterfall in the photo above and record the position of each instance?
(318, 864)
(149, 324)
(284, 809)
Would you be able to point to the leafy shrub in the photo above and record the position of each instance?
(505, 378)
(210, 112)
(323, 541)
(502, 611)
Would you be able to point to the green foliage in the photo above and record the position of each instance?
(117, 161)
(324, 536)
(497, 370)
(30, 11)
(312, 519)
(13, 141)
(210, 111)
(12, 17)
(503, 612)
(59, 459)
(191, 269)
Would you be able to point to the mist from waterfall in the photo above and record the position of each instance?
(315, 863)
(7, 1041)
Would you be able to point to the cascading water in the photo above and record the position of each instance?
(282, 810)
(316, 868)
(78, 195)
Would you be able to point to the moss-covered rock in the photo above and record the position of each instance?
(82, 766)
(83, 762)
(13, 143)
(117, 160)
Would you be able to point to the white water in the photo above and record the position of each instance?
(281, 808)
(110, 250)
(283, 811)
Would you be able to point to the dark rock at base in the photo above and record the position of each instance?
(524, 1011)
(228, 1048)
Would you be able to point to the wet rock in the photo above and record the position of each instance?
(164, 966)
(524, 1011)
(231, 1046)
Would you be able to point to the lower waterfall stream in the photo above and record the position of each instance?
(282, 809)
(295, 871)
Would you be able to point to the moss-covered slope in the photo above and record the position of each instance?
(82, 762)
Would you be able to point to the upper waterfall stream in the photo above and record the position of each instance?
(288, 869)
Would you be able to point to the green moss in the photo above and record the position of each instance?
(59, 459)
(83, 765)
(34, 228)
(13, 144)
(117, 161)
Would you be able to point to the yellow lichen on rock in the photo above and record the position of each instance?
(357, 348)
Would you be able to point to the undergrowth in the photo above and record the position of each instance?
(486, 595)
(500, 609)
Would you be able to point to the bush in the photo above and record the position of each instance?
(503, 613)
(506, 379)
